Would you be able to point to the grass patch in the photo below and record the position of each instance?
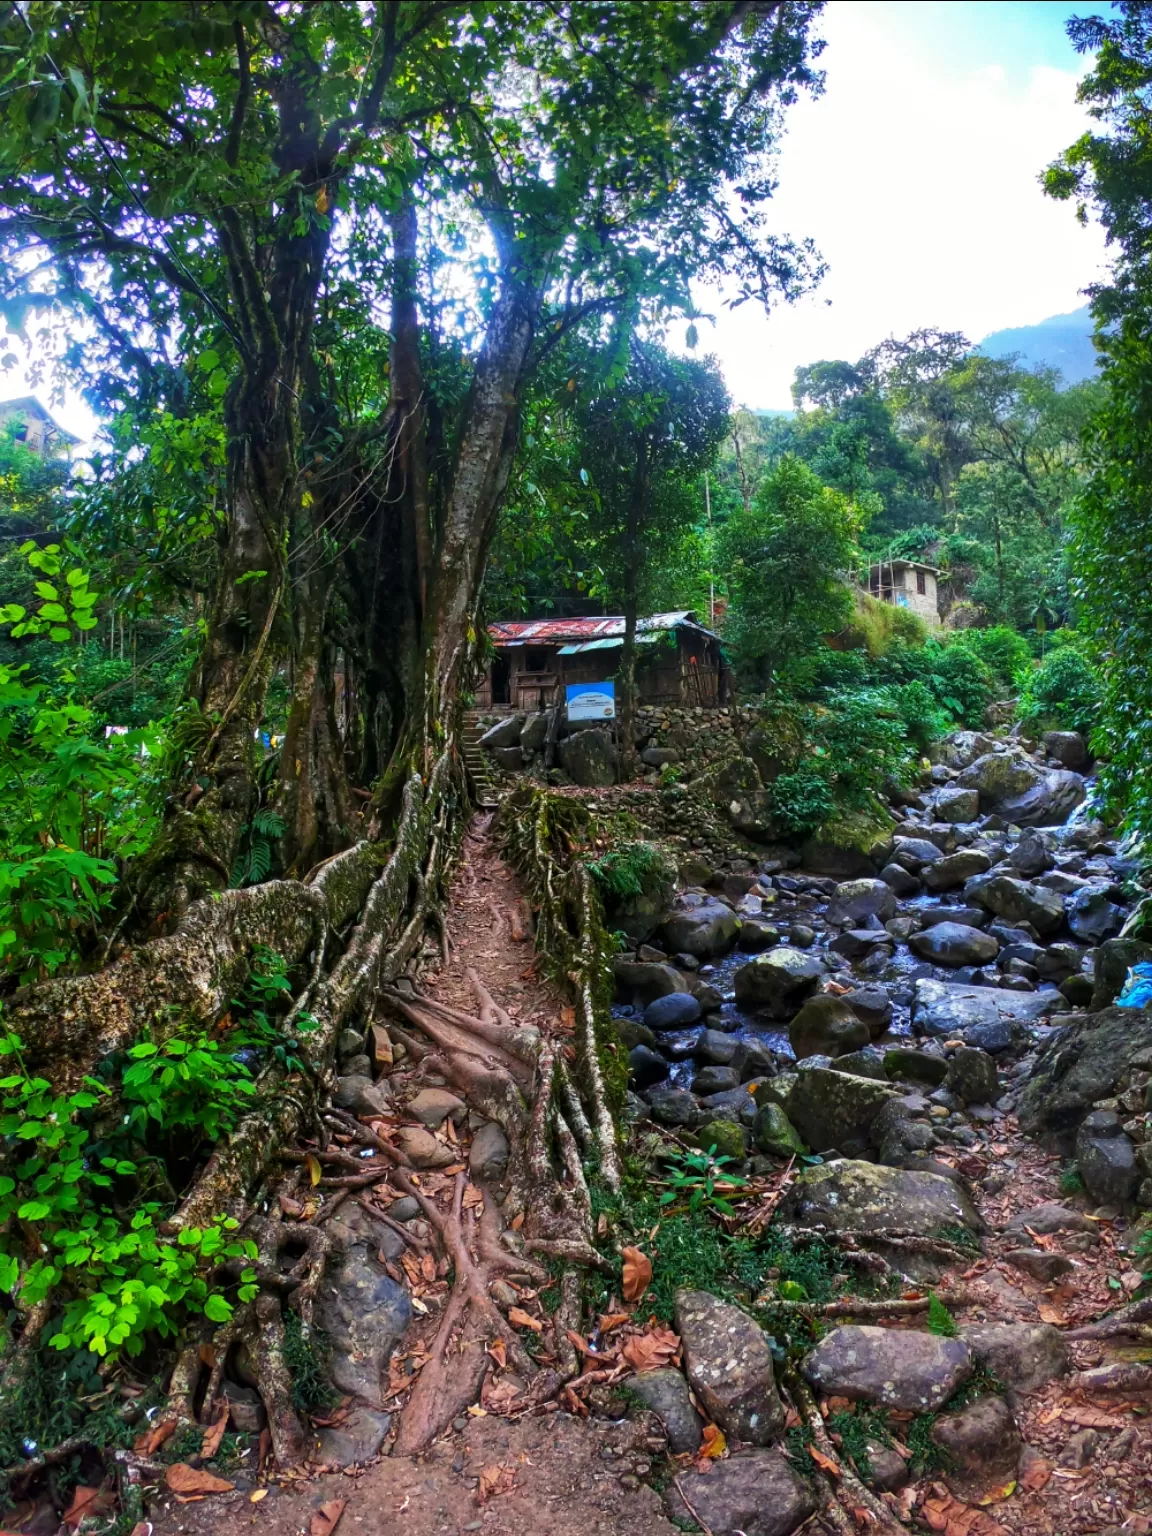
(1071, 1180)
(306, 1356)
(927, 1456)
(852, 1429)
(959, 1237)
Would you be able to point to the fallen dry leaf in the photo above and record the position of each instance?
(325, 1520)
(1054, 1315)
(715, 1442)
(827, 1464)
(214, 1434)
(1036, 1475)
(85, 1502)
(257, 1494)
(637, 1273)
(152, 1439)
(496, 1479)
(521, 1319)
(944, 1513)
(499, 1352)
(182, 1478)
(648, 1351)
(610, 1320)
(312, 1163)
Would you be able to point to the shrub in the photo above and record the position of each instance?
(1005, 651)
(802, 801)
(1062, 693)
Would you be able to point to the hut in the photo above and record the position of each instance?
(907, 584)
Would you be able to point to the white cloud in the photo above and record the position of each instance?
(919, 184)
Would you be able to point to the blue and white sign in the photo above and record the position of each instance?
(591, 701)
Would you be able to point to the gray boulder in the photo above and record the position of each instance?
(756, 936)
(706, 929)
(675, 1010)
(873, 1005)
(1046, 804)
(955, 868)
(1031, 857)
(1018, 901)
(913, 1372)
(855, 900)
(590, 758)
(962, 748)
(830, 1108)
(657, 757)
(901, 882)
(505, 733)
(754, 1493)
(535, 732)
(957, 805)
(1024, 1356)
(954, 944)
(361, 1309)
(852, 1195)
(729, 1364)
(972, 1076)
(511, 759)
(1079, 1065)
(912, 853)
(916, 1066)
(981, 1445)
(358, 1094)
(778, 981)
(775, 1135)
(1106, 1159)
(1093, 918)
(985, 1017)
(642, 981)
(646, 1066)
(665, 1392)
(999, 776)
(826, 1026)
(356, 1439)
(488, 1154)
(674, 1107)
(1067, 747)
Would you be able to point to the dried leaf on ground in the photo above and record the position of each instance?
(610, 1320)
(473, 1198)
(152, 1439)
(637, 1273)
(312, 1163)
(1092, 1418)
(182, 1478)
(214, 1434)
(496, 1479)
(648, 1351)
(325, 1519)
(1036, 1475)
(521, 1319)
(500, 1396)
(715, 1442)
(1054, 1315)
(499, 1352)
(944, 1513)
(85, 1502)
(827, 1464)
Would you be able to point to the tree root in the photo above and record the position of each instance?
(1127, 1321)
(881, 1517)
(896, 1239)
(1118, 1377)
(847, 1307)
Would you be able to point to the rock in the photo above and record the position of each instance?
(866, 1062)
(914, 1372)
(357, 1066)
(918, 1066)
(361, 1096)
(778, 981)
(860, 943)
(956, 868)
(1078, 990)
(855, 900)
(646, 1066)
(755, 936)
(715, 1048)
(827, 1026)
(407, 1208)
(754, 1493)
(631, 1032)
(1114, 959)
(828, 1108)
(361, 1309)
(1079, 1449)
(873, 1005)
(1024, 1356)
(676, 1010)
(657, 757)
(851, 1195)
(1019, 901)
(1107, 1162)
(535, 732)
(590, 758)
(705, 930)
(356, 1439)
(1067, 747)
(1093, 918)
(774, 1134)
(776, 1090)
(912, 853)
(823, 858)
(714, 1080)
(1079, 1065)
(999, 776)
(734, 1104)
(752, 1059)
(505, 733)
(644, 981)
(723, 1138)
(954, 944)
(1046, 1220)
(900, 881)
(982, 1445)
(673, 1107)
(962, 748)
(980, 1016)
(1042, 1266)
(729, 1364)
(246, 1413)
(1031, 857)
(888, 1471)
(972, 1076)
(1048, 803)
(350, 1043)
(511, 759)
(422, 1149)
(957, 805)
(665, 1392)
(432, 1106)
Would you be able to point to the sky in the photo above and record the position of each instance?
(916, 175)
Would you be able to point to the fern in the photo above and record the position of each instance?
(940, 1320)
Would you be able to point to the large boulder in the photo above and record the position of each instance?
(1114, 959)
(361, 1309)
(999, 776)
(1078, 1065)
(852, 1195)
(854, 901)
(1048, 803)
(703, 927)
(643, 981)
(1019, 901)
(1106, 1159)
(729, 1364)
(913, 1372)
(913, 853)
(1092, 917)
(1067, 747)
(957, 805)
(981, 1446)
(778, 981)
(962, 748)
(826, 1026)
(665, 1392)
(830, 1108)
(535, 732)
(590, 758)
(505, 733)
(753, 1493)
(774, 1134)
(1024, 1356)
(954, 944)
(638, 914)
(986, 1017)
(972, 1076)
(955, 868)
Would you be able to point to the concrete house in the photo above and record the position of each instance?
(678, 660)
(35, 427)
(906, 584)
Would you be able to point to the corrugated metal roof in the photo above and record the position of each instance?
(561, 631)
(608, 643)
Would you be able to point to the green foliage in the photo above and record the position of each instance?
(1062, 693)
(785, 556)
(184, 1083)
(61, 1394)
(630, 869)
(1005, 652)
(927, 1456)
(306, 1355)
(940, 1320)
(1071, 1180)
(853, 1428)
(697, 1178)
(802, 801)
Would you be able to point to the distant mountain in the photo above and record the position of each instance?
(1064, 342)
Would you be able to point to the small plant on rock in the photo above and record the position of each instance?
(699, 1178)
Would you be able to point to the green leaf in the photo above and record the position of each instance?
(217, 1309)
(940, 1320)
(9, 1272)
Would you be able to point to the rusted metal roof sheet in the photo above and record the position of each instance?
(564, 631)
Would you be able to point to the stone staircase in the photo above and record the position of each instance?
(476, 762)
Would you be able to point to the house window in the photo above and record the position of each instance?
(921, 583)
(536, 661)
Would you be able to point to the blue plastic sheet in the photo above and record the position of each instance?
(1137, 991)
